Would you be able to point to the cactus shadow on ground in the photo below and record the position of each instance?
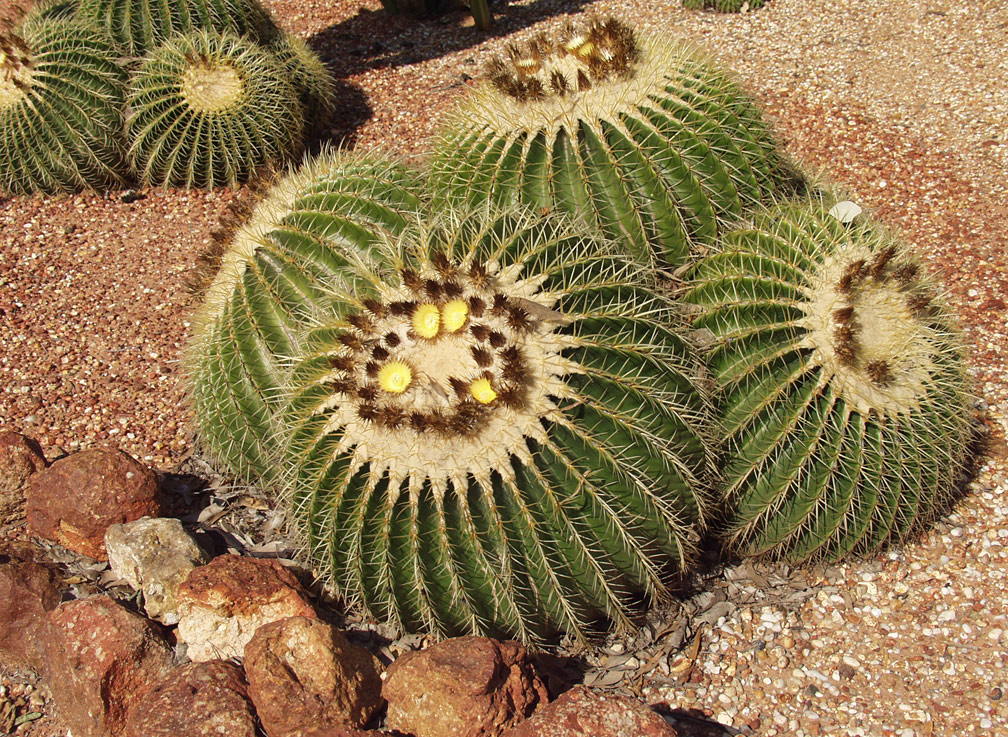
(374, 39)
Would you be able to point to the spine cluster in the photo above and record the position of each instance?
(577, 60)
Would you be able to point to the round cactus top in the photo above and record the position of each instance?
(866, 321)
(585, 74)
(209, 86)
(452, 367)
(574, 63)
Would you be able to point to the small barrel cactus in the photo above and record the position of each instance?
(270, 283)
(497, 432)
(61, 101)
(842, 389)
(140, 26)
(208, 109)
(640, 135)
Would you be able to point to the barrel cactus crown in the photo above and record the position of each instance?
(61, 101)
(140, 26)
(640, 135)
(497, 432)
(271, 282)
(210, 109)
(842, 388)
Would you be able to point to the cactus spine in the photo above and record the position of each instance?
(209, 109)
(61, 102)
(497, 431)
(724, 6)
(842, 389)
(270, 283)
(641, 136)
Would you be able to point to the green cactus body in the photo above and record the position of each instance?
(313, 81)
(210, 109)
(140, 26)
(640, 136)
(497, 432)
(61, 102)
(271, 282)
(842, 389)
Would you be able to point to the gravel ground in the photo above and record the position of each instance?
(901, 102)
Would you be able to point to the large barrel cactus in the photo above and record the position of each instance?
(271, 282)
(842, 393)
(640, 135)
(61, 101)
(208, 109)
(140, 26)
(497, 431)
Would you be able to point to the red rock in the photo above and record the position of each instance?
(195, 700)
(222, 604)
(102, 657)
(463, 687)
(20, 457)
(303, 672)
(582, 712)
(29, 590)
(74, 500)
(346, 731)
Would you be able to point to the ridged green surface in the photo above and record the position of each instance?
(140, 26)
(837, 442)
(61, 101)
(659, 157)
(243, 113)
(541, 512)
(271, 281)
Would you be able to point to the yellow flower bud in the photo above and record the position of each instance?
(482, 391)
(394, 377)
(427, 320)
(454, 315)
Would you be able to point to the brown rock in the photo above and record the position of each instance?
(29, 590)
(303, 672)
(582, 712)
(20, 457)
(102, 657)
(195, 700)
(347, 731)
(74, 500)
(222, 604)
(463, 687)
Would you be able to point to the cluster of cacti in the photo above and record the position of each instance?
(273, 280)
(484, 413)
(841, 388)
(215, 90)
(724, 6)
(61, 107)
(641, 136)
(496, 431)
